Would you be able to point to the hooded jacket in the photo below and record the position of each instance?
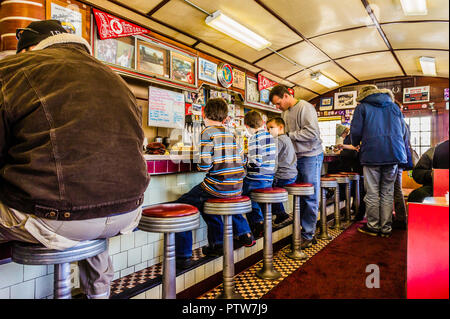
(70, 134)
(379, 126)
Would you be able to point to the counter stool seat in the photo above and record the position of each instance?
(36, 254)
(340, 178)
(169, 219)
(227, 207)
(297, 190)
(268, 196)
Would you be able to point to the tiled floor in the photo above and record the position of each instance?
(252, 287)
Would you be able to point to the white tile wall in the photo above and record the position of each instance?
(4, 293)
(24, 290)
(44, 287)
(12, 274)
(34, 271)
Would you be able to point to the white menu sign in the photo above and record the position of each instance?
(165, 108)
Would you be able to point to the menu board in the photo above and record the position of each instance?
(165, 108)
(416, 94)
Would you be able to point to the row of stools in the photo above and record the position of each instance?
(172, 218)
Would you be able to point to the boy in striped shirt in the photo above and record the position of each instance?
(221, 158)
(261, 159)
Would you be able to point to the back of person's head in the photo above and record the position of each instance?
(277, 121)
(216, 110)
(278, 90)
(36, 32)
(253, 119)
(370, 89)
(341, 129)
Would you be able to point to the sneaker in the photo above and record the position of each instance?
(213, 250)
(258, 230)
(183, 263)
(399, 224)
(366, 230)
(280, 218)
(385, 235)
(246, 240)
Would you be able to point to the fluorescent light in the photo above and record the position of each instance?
(414, 7)
(428, 65)
(323, 80)
(225, 24)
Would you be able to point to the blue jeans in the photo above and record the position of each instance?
(278, 208)
(256, 215)
(309, 168)
(197, 196)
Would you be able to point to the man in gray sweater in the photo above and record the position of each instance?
(302, 127)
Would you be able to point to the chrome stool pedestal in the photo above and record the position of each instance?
(325, 182)
(169, 219)
(227, 207)
(354, 178)
(341, 179)
(268, 196)
(35, 254)
(298, 190)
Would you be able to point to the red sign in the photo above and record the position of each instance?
(112, 27)
(265, 83)
(291, 91)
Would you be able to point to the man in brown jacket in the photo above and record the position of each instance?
(71, 167)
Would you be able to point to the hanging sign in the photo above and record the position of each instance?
(265, 83)
(416, 94)
(225, 75)
(110, 26)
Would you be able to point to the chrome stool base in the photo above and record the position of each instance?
(266, 273)
(297, 255)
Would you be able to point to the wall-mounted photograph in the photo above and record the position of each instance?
(183, 68)
(326, 104)
(207, 71)
(345, 100)
(152, 59)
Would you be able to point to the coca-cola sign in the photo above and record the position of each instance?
(110, 26)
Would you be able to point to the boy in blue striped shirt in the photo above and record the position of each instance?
(221, 158)
(261, 159)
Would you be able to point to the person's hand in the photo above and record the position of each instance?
(340, 147)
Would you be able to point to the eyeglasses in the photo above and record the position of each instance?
(21, 30)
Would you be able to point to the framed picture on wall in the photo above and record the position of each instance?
(183, 68)
(326, 104)
(252, 93)
(345, 100)
(207, 71)
(152, 59)
(74, 16)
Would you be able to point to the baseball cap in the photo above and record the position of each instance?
(37, 31)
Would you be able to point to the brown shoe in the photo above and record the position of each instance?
(306, 243)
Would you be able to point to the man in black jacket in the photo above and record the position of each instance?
(71, 167)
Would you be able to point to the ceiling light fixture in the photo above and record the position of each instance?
(323, 80)
(414, 7)
(234, 29)
(428, 65)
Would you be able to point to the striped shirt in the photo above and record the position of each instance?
(262, 153)
(221, 157)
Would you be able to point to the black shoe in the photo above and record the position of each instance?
(366, 230)
(183, 263)
(314, 240)
(306, 243)
(246, 240)
(280, 218)
(258, 230)
(213, 250)
(399, 224)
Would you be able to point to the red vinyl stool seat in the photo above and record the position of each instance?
(169, 210)
(240, 199)
(269, 190)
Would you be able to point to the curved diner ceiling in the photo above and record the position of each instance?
(346, 40)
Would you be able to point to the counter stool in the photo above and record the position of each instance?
(354, 177)
(35, 254)
(268, 196)
(169, 219)
(326, 182)
(227, 207)
(341, 179)
(298, 190)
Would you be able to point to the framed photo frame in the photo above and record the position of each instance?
(207, 71)
(326, 104)
(251, 91)
(264, 96)
(238, 79)
(152, 59)
(182, 68)
(75, 16)
(345, 100)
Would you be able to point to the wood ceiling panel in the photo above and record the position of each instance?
(301, 93)
(139, 19)
(304, 79)
(305, 54)
(332, 71)
(426, 35)
(314, 17)
(184, 17)
(226, 57)
(410, 61)
(278, 65)
(372, 66)
(389, 11)
(145, 6)
(345, 43)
